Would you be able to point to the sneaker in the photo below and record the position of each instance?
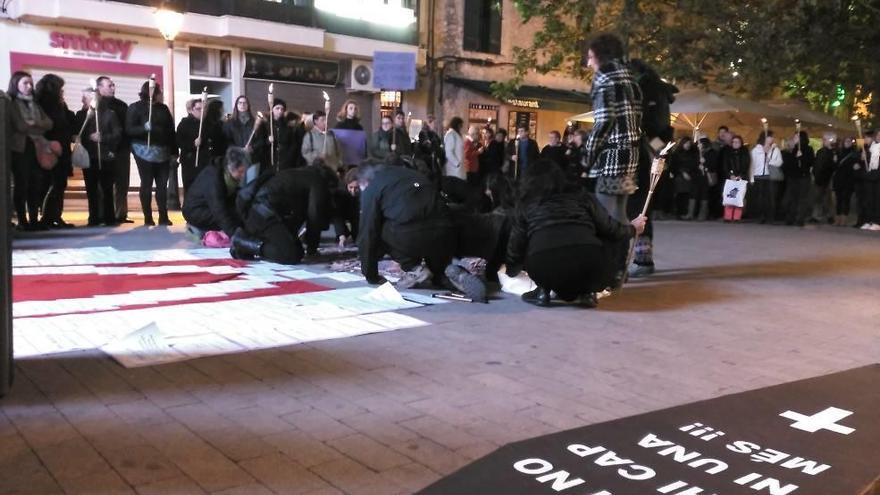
(867, 226)
(875, 227)
(640, 271)
(538, 297)
(414, 277)
(466, 282)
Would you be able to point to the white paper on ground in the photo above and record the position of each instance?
(384, 293)
(518, 285)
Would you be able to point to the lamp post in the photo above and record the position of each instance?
(169, 23)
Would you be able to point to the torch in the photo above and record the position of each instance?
(327, 121)
(94, 105)
(257, 124)
(201, 121)
(858, 122)
(272, 124)
(152, 85)
(658, 166)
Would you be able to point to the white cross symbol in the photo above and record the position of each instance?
(825, 420)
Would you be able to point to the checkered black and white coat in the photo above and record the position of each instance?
(613, 145)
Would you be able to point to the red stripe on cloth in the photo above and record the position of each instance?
(279, 289)
(76, 285)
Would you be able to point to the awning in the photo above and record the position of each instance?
(556, 99)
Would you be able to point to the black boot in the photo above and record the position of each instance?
(244, 247)
(538, 297)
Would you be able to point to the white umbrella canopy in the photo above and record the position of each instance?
(811, 118)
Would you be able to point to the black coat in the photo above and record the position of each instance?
(187, 132)
(736, 163)
(351, 124)
(844, 173)
(557, 154)
(825, 163)
(300, 194)
(396, 197)
(209, 204)
(492, 159)
(574, 209)
(120, 108)
(111, 134)
(63, 130)
(237, 134)
(285, 144)
(162, 131)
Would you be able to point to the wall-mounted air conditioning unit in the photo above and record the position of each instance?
(359, 76)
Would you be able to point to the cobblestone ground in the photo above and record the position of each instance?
(732, 308)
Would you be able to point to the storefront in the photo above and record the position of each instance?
(539, 109)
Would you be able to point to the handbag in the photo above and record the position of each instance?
(47, 152)
(734, 193)
(79, 157)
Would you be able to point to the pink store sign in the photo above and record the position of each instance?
(92, 45)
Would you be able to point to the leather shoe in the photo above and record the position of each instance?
(538, 297)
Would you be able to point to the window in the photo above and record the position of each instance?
(482, 26)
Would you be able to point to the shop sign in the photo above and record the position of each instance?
(517, 102)
(92, 45)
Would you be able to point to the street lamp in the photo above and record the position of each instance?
(169, 23)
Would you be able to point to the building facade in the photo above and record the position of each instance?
(471, 44)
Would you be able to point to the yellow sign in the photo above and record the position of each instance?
(524, 103)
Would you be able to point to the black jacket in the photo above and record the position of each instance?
(285, 140)
(162, 131)
(844, 172)
(557, 154)
(63, 130)
(576, 209)
(300, 194)
(825, 163)
(379, 144)
(111, 134)
(209, 204)
(736, 163)
(237, 134)
(187, 132)
(396, 197)
(352, 124)
(120, 108)
(492, 158)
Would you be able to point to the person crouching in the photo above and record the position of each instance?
(210, 200)
(564, 238)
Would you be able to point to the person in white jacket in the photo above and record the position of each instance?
(454, 145)
(766, 176)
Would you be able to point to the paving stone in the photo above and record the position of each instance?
(353, 477)
(318, 424)
(140, 465)
(303, 448)
(368, 452)
(237, 443)
(282, 475)
(104, 483)
(177, 486)
(72, 459)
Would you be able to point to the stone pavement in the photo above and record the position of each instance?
(733, 308)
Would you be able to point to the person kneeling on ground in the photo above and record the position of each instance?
(275, 208)
(564, 237)
(210, 200)
(402, 214)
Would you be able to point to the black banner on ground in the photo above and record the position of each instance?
(6, 368)
(819, 436)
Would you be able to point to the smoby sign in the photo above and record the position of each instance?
(92, 45)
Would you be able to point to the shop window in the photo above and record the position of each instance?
(482, 115)
(529, 120)
(389, 102)
(482, 26)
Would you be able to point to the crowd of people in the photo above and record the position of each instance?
(566, 213)
(788, 182)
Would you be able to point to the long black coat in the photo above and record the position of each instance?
(736, 163)
(844, 173)
(209, 203)
(120, 108)
(161, 132)
(285, 146)
(63, 130)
